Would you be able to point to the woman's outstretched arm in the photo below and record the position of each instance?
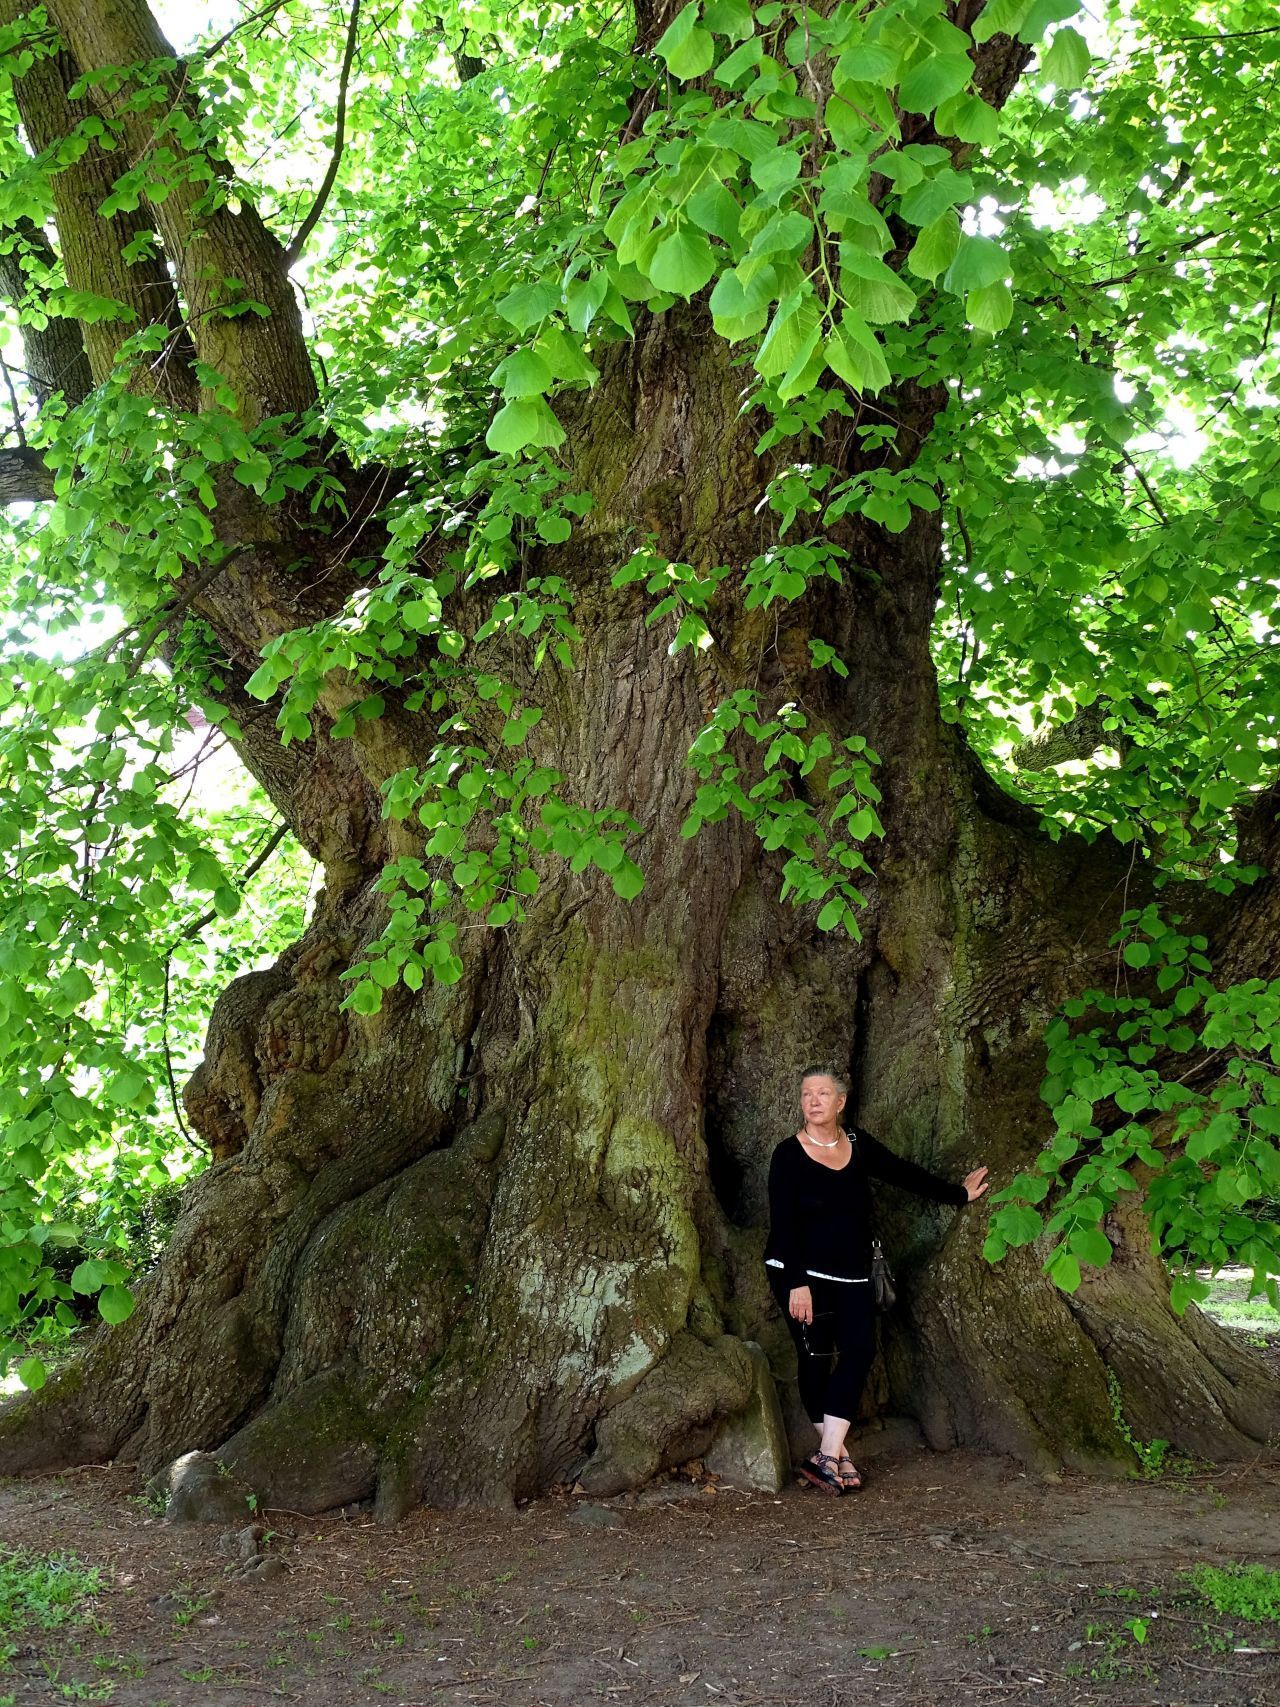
(897, 1170)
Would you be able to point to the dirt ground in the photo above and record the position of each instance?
(950, 1578)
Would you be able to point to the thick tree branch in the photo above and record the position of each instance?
(94, 248)
(1078, 738)
(299, 240)
(55, 354)
(24, 479)
(231, 272)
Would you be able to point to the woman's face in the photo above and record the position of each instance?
(821, 1100)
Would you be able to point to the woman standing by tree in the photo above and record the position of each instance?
(819, 1260)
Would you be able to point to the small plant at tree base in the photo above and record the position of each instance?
(1151, 1454)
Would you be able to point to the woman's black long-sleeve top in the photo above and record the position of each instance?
(819, 1217)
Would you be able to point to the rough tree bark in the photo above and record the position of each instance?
(509, 1232)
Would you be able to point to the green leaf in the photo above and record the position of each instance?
(1000, 18)
(204, 872)
(740, 308)
(969, 118)
(854, 354)
(1187, 1289)
(584, 300)
(791, 335)
(1040, 14)
(873, 290)
(991, 308)
(88, 1276)
(528, 305)
(127, 1087)
(115, 1304)
(868, 62)
(1065, 62)
(739, 63)
(521, 423)
(932, 197)
(1018, 1224)
(628, 880)
(525, 373)
(1091, 1245)
(994, 1248)
(979, 262)
(785, 234)
(554, 529)
(1064, 1270)
(31, 1373)
(935, 79)
(264, 681)
(226, 901)
(716, 211)
(683, 262)
(687, 50)
(366, 998)
(935, 248)
(732, 18)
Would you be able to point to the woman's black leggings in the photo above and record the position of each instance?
(843, 1331)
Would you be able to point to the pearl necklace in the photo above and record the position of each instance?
(822, 1143)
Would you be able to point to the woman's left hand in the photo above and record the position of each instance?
(975, 1183)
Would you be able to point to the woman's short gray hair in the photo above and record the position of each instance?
(820, 1072)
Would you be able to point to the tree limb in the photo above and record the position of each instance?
(93, 248)
(24, 479)
(55, 353)
(264, 13)
(298, 241)
(243, 314)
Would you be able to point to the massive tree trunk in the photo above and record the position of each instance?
(508, 1232)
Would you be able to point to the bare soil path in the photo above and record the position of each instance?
(950, 1579)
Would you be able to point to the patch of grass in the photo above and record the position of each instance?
(1229, 1303)
(41, 1591)
(188, 1606)
(128, 1665)
(1240, 1591)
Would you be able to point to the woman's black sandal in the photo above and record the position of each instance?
(850, 1478)
(820, 1472)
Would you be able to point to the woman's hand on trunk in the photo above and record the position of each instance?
(975, 1184)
